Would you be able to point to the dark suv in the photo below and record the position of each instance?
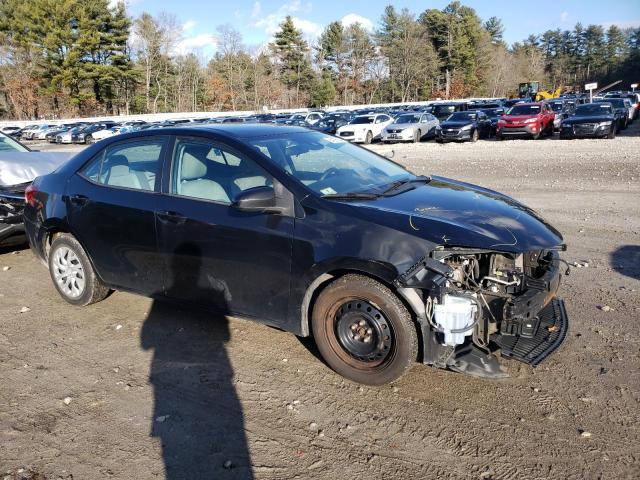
(309, 233)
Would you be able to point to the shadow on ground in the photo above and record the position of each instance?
(197, 414)
(626, 260)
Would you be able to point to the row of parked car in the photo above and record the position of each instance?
(571, 115)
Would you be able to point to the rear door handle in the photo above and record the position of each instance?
(78, 199)
(168, 216)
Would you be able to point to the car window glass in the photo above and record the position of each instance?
(209, 171)
(127, 165)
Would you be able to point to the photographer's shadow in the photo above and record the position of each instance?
(197, 415)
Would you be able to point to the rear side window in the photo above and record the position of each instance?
(134, 165)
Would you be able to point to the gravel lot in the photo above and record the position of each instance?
(131, 388)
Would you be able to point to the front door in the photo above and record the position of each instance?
(214, 255)
(111, 206)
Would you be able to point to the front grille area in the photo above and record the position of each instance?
(585, 128)
(346, 134)
(449, 132)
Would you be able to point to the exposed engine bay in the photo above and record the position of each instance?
(478, 302)
(11, 209)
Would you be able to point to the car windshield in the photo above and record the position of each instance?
(557, 106)
(493, 112)
(616, 102)
(407, 118)
(524, 110)
(329, 165)
(297, 117)
(363, 120)
(8, 144)
(443, 109)
(462, 117)
(593, 109)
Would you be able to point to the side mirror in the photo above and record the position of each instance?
(258, 200)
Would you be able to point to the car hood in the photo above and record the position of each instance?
(518, 118)
(455, 124)
(590, 119)
(401, 126)
(23, 167)
(448, 212)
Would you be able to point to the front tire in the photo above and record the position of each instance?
(363, 331)
(612, 133)
(368, 138)
(474, 136)
(72, 272)
(417, 136)
(89, 140)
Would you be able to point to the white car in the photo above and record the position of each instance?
(8, 130)
(364, 128)
(410, 127)
(41, 134)
(109, 132)
(310, 117)
(33, 133)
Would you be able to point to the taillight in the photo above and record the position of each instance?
(30, 195)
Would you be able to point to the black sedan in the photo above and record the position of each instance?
(494, 114)
(460, 126)
(311, 234)
(590, 120)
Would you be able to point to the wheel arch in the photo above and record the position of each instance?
(385, 274)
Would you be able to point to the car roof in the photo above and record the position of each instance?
(238, 131)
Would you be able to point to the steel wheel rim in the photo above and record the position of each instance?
(363, 333)
(68, 272)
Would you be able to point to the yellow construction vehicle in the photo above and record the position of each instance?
(532, 90)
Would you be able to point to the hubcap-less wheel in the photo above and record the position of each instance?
(363, 333)
(68, 272)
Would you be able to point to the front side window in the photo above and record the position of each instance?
(209, 171)
(133, 164)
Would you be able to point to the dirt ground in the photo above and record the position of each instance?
(133, 389)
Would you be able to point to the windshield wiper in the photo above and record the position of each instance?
(397, 184)
(351, 196)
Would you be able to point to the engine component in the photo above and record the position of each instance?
(455, 317)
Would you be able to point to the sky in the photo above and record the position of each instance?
(258, 20)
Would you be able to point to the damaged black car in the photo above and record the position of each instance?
(311, 234)
(18, 167)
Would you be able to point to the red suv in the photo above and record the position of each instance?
(526, 119)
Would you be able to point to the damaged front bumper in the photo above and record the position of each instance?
(11, 210)
(510, 297)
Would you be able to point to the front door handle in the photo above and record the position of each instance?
(169, 216)
(78, 199)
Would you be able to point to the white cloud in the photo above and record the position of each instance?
(270, 23)
(188, 26)
(256, 10)
(352, 18)
(202, 43)
(623, 24)
(564, 16)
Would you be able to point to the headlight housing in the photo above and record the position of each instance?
(467, 127)
(531, 120)
(605, 124)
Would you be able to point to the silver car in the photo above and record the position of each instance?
(410, 127)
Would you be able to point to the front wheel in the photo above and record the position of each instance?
(416, 136)
(474, 136)
(72, 272)
(368, 138)
(89, 139)
(612, 134)
(363, 331)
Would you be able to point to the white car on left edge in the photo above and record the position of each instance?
(364, 128)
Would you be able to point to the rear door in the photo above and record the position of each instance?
(214, 255)
(111, 204)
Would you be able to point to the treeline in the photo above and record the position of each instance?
(82, 57)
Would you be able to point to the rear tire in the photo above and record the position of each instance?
(72, 272)
(363, 331)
